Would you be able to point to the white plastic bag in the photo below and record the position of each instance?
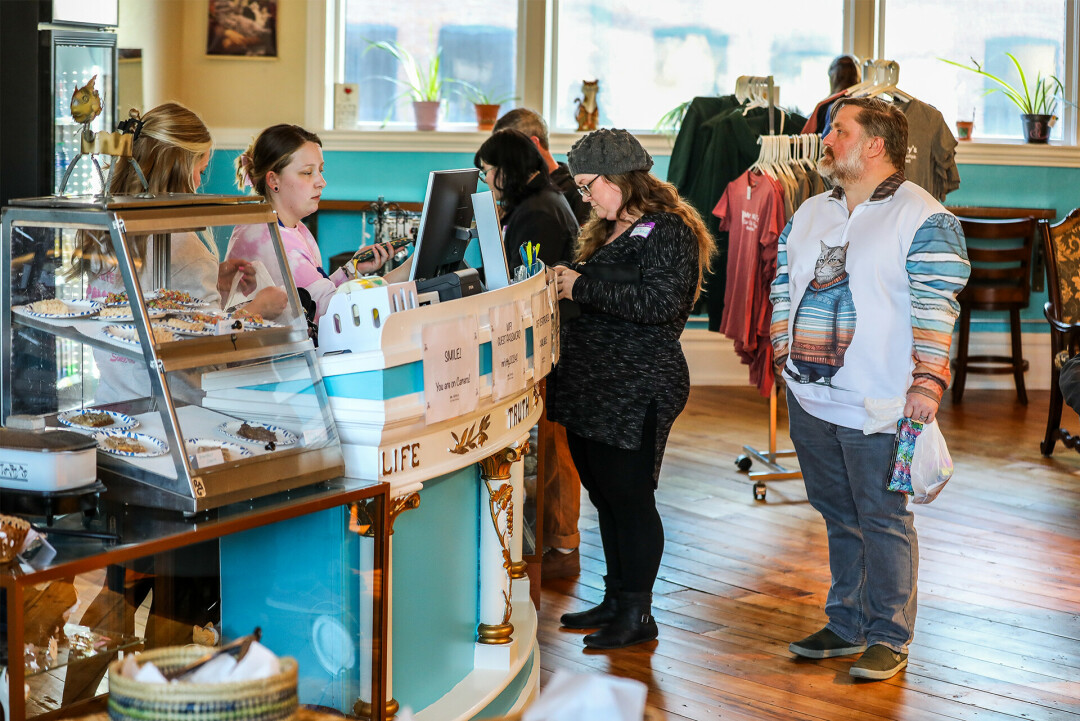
(262, 280)
(921, 471)
(931, 464)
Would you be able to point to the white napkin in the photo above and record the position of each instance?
(259, 662)
(588, 697)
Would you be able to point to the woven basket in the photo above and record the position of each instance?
(266, 699)
(12, 534)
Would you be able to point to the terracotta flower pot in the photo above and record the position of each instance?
(964, 128)
(486, 115)
(427, 114)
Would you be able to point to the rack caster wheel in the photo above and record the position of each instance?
(759, 491)
(744, 463)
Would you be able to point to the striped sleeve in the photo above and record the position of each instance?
(780, 297)
(938, 269)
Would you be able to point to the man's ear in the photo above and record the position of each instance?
(536, 141)
(877, 147)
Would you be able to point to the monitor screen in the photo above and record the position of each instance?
(444, 223)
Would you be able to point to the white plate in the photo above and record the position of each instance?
(193, 301)
(124, 333)
(250, 324)
(203, 330)
(232, 430)
(76, 309)
(149, 296)
(128, 317)
(235, 449)
(151, 446)
(120, 422)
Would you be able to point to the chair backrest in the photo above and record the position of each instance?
(1061, 242)
(1000, 253)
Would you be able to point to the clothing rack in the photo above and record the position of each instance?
(775, 149)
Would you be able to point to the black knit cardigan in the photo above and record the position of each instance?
(623, 352)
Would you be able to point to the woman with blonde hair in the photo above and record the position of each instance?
(622, 378)
(284, 164)
(172, 146)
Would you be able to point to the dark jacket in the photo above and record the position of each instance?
(623, 352)
(543, 217)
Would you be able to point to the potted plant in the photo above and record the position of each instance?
(485, 103)
(424, 84)
(1036, 102)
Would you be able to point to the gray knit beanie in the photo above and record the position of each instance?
(608, 152)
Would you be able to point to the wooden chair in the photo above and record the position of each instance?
(1061, 243)
(1000, 252)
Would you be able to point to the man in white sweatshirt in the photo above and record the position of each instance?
(864, 303)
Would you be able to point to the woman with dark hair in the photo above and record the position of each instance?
(285, 166)
(622, 378)
(533, 209)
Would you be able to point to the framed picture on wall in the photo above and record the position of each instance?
(242, 28)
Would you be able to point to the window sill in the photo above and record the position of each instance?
(466, 140)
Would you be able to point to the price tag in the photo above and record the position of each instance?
(228, 326)
(209, 457)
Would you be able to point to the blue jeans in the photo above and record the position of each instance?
(873, 550)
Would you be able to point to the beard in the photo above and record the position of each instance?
(843, 170)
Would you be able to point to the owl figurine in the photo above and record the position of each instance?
(86, 103)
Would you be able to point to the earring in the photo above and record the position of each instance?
(275, 189)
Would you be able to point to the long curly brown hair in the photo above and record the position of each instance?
(644, 193)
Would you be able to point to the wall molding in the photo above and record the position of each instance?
(462, 138)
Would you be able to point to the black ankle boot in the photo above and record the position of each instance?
(633, 623)
(596, 616)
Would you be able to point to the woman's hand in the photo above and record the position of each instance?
(228, 270)
(382, 251)
(920, 408)
(268, 302)
(564, 281)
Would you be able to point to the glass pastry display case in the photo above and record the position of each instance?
(134, 579)
(194, 400)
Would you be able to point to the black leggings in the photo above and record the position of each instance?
(621, 486)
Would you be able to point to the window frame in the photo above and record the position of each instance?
(537, 38)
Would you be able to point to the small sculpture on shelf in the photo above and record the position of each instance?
(587, 110)
(85, 108)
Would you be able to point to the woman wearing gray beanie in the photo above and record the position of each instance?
(622, 378)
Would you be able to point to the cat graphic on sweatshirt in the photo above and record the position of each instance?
(825, 321)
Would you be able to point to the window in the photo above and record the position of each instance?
(1033, 31)
(477, 38)
(649, 57)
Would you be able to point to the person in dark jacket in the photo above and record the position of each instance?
(533, 125)
(533, 210)
(622, 378)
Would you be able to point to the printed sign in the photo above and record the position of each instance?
(346, 105)
(507, 351)
(541, 313)
(451, 368)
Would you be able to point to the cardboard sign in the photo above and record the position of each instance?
(507, 351)
(541, 313)
(451, 368)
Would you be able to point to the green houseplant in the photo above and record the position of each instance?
(423, 83)
(485, 102)
(1037, 102)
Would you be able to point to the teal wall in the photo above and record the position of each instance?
(403, 177)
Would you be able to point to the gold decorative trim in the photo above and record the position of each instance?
(496, 467)
(471, 439)
(495, 635)
(518, 569)
(401, 504)
(364, 710)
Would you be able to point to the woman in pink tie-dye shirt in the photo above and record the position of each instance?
(285, 166)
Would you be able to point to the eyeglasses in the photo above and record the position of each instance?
(586, 189)
(484, 175)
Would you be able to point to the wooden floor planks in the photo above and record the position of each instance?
(998, 634)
